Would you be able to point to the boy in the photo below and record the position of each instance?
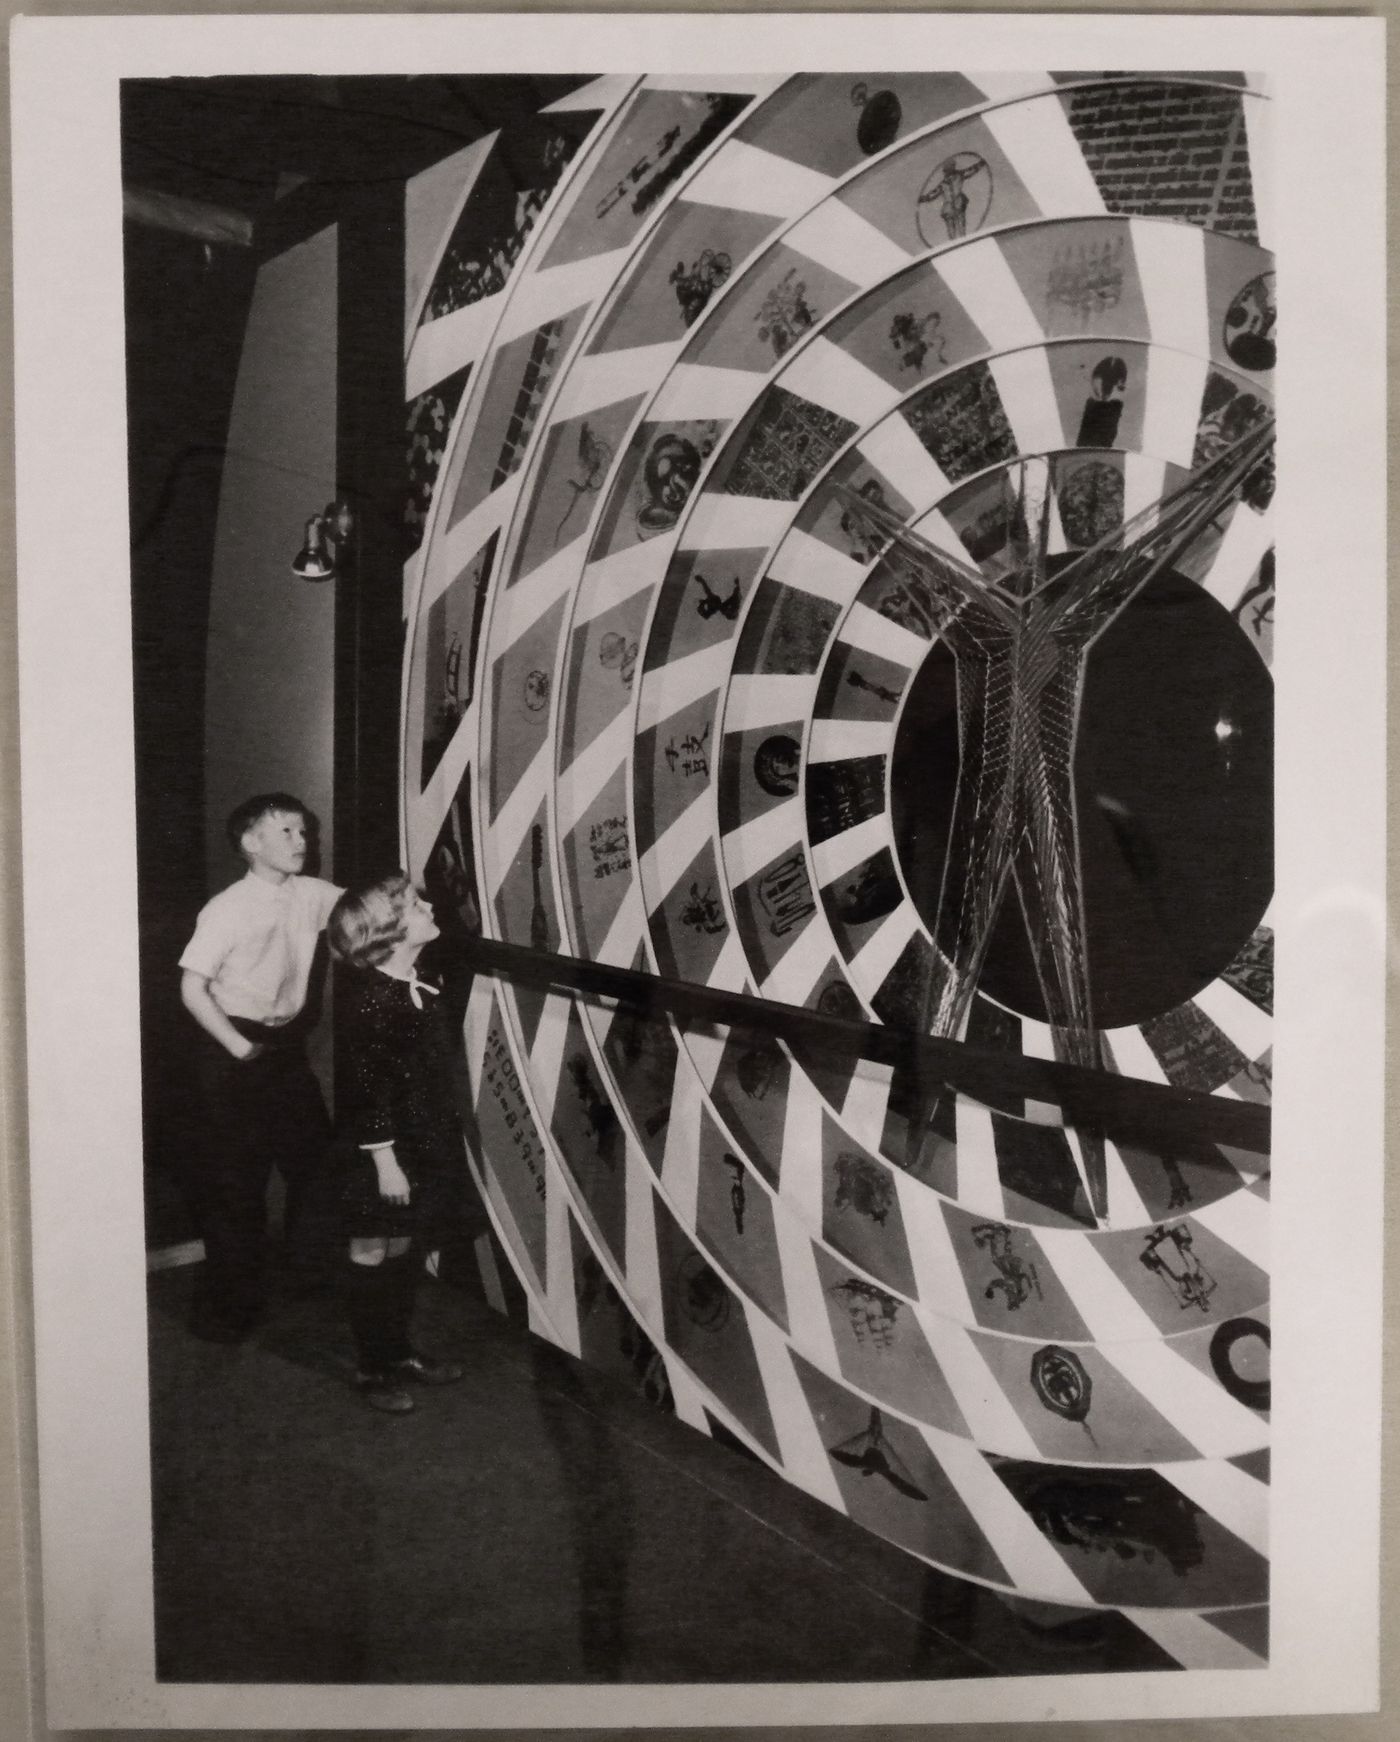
(244, 979)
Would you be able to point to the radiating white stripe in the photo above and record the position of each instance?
(800, 1448)
(736, 523)
(1028, 397)
(706, 1050)
(1241, 1220)
(868, 632)
(938, 530)
(1032, 1565)
(979, 276)
(481, 1007)
(841, 240)
(450, 554)
(938, 1276)
(600, 94)
(1250, 1028)
(795, 977)
(989, 1413)
(643, 1265)
(1201, 1410)
(841, 853)
(730, 970)
(699, 390)
(1125, 1206)
(703, 80)
(619, 947)
(759, 701)
(425, 816)
(979, 1180)
(1171, 263)
(904, 462)
(870, 967)
(813, 566)
(587, 775)
(1001, 87)
(557, 290)
(1239, 554)
(680, 1164)
(547, 1053)
(741, 178)
(839, 740)
(666, 689)
(1191, 1640)
(410, 581)
(691, 1403)
(1041, 147)
(440, 347)
(506, 835)
(1104, 1302)
(520, 607)
(830, 377)
(561, 1300)
(800, 1176)
(867, 1101)
(1133, 1056)
(808, 1314)
(612, 580)
(1144, 479)
(1259, 131)
(609, 377)
(761, 839)
(1038, 1042)
(1232, 1498)
(666, 858)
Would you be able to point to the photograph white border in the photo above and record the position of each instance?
(85, 1175)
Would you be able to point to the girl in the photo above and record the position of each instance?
(396, 1075)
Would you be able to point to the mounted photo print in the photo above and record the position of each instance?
(863, 637)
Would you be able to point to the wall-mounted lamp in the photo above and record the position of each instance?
(327, 536)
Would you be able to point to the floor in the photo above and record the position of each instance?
(536, 1523)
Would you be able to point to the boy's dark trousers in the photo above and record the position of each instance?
(261, 1113)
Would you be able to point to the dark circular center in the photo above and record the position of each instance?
(1173, 785)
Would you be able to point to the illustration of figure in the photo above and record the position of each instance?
(1170, 1252)
(1018, 1279)
(695, 287)
(1103, 409)
(711, 604)
(947, 190)
(775, 765)
(737, 1200)
(914, 336)
(594, 457)
(872, 1454)
(669, 473)
(1249, 326)
(702, 912)
(880, 116)
(785, 313)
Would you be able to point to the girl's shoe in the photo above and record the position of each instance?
(382, 1391)
(426, 1371)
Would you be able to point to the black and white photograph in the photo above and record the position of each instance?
(674, 823)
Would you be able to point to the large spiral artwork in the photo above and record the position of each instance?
(844, 576)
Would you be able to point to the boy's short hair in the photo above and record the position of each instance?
(367, 923)
(252, 811)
